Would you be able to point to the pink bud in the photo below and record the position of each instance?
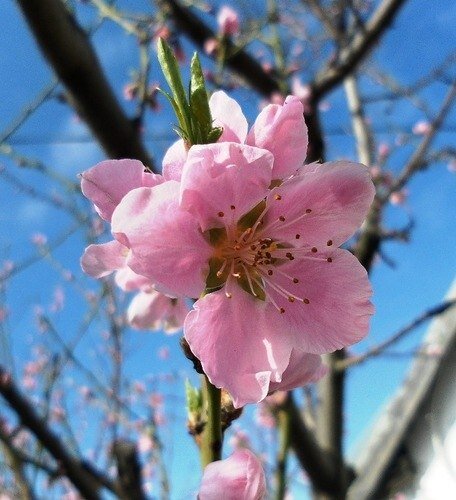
(228, 21)
(239, 477)
(398, 197)
(422, 127)
(383, 150)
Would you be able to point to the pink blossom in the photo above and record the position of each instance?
(239, 477)
(302, 91)
(278, 265)
(383, 150)
(163, 353)
(398, 197)
(279, 128)
(228, 21)
(422, 127)
(155, 311)
(211, 46)
(39, 239)
(145, 443)
(243, 225)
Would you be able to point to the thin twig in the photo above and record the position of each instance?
(380, 348)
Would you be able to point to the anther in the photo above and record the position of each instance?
(291, 299)
(237, 247)
(268, 255)
(277, 197)
(329, 243)
(295, 280)
(289, 255)
(221, 214)
(329, 259)
(233, 207)
(297, 236)
(306, 301)
(252, 247)
(270, 272)
(282, 218)
(281, 310)
(308, 211)
(219, 273)
(237, 275)
(314, 249)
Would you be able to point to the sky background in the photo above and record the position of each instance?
(424, 268)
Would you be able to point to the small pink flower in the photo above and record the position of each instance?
(211, 46)
(422, 127)
(145, 443)
(228, 21)
(163, 353)
(39, 239)
(130, 91)
(239, 477)
(383, 150)
(398, 197)
(155, 311)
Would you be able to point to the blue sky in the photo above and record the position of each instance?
(424, 268)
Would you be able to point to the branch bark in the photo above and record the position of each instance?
(354, 53)
(84, 477)
(70, 54)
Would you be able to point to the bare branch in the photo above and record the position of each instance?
(84, 477)
(319, 464)
(358, 48)
(418, 158)
(237, 59)
(72, 57)
(380, 348)
(129, 470)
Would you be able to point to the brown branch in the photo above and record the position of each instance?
(320, 465)
(354, 53)
(380, 348)
(129, 470)
(84, 477)
(237, 59)
(69, 52)
(418, 159)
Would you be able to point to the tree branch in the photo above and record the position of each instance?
(320, 465)
(237, 59)
(129, 470)
(357, 49)
(380, 348)
(73, 59)
(84, 477)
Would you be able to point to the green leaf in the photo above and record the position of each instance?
(199, 104)
(194, 398)
(171, 71)
(214, 135)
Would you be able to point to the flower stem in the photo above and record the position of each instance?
(284, 425)
(211, 446)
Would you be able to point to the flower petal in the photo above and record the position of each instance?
(337, 194)
(223, 181)
(101, 260)
(166, 244)
(281, 129)
(109, 181)
(154, 311)
(227, 113)
(173, 161)
(302, 369)
(238, 477)
(331, 306)
(238, 346)
(128, 280)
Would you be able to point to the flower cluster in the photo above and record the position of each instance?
(245, 228)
